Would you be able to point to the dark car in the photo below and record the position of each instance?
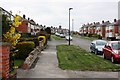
(97, 45)
(112, 51)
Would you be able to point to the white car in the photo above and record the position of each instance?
(62, 35)
(67, 38)
(57, 34)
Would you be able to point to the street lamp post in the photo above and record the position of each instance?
(72, 26)
(69, 24)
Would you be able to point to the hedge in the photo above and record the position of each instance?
(24, 48)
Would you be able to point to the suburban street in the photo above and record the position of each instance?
(52, 39)
(82, 43)
(47, 64)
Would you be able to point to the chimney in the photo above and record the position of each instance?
(24, 16)
(28, 18)
(103, 21)
(115, 20)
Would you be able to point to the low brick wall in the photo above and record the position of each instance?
(31, 58)
(4, 60)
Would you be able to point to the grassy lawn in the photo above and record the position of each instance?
(57, 38)
(18, 62)
(74, 58)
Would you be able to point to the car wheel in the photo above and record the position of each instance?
(91, 51)
(104, 56)
(112, 59)
(96, 52)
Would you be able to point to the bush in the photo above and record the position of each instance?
(99, 37)
(26, 35)
(24, 48)
(25, 39)
(89, 35)
(94, 35)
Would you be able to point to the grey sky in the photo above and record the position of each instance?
(55, 12)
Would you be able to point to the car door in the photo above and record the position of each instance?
(109, 52)
(106, 51)
(92, 45)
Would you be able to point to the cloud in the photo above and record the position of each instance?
(55, 12)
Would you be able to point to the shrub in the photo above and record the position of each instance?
(26, 35)
(24, 48)
(25, 39)
(89, 35)
(94, 35)
(99, 37)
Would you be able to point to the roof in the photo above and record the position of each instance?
(105, 23)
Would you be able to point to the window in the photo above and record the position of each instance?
(116, 46)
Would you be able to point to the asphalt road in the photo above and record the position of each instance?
(82, 43)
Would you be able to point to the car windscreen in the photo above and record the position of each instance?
(101, 43)
(116, 46)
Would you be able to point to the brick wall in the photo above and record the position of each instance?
(4, 60)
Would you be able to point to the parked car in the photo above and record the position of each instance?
(62, 35)
(97, 45)
(67, 38)
(57, 34)
(112, 51)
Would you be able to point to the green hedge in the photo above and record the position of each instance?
(24, 48)
(35, 40)
(94, 35)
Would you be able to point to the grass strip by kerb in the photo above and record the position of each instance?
(75, 58)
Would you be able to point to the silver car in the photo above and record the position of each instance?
(97, 46)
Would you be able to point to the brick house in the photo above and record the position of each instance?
(24, 27)
(102, 29)
(112, 30)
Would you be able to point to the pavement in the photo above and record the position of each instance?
(46, 66)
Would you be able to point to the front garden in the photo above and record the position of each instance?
(24, 47)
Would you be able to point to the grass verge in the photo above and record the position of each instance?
(75, 58)
(57, 38)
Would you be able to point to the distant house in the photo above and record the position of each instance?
(112, 30)
(24, 28)
(103, 26)
(28, 26)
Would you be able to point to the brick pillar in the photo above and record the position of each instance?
(4, 60)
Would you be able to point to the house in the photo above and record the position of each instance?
(28, 26)
(102, 30)
(112, 30)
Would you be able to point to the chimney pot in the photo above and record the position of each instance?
(103, 21)
(115, 20)
(24, 16)
(28, 18)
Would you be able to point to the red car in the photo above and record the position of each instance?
(112, 51)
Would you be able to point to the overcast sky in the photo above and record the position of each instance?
(55, 12)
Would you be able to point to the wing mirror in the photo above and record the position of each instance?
(109, 47)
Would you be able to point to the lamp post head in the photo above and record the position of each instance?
(70, 8)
